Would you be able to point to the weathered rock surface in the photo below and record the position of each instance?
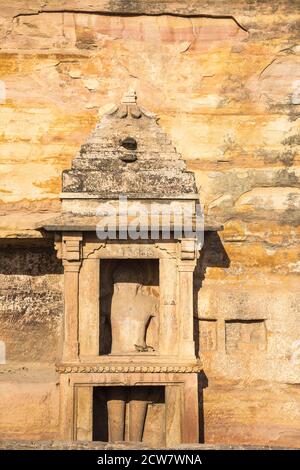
(86, 445)
(224, 79)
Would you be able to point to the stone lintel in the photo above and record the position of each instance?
(108, 197)
(89, 224)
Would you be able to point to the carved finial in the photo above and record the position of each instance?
(129, 97)
(129, 106)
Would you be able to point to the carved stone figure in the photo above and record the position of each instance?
(131, 313)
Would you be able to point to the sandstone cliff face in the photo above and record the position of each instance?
(224, 78)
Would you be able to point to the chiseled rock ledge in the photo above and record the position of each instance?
(85, 445)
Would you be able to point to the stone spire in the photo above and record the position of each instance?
(129, 154)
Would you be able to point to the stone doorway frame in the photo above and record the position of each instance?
(175, 366)
(181, 402)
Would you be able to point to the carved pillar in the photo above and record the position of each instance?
(89, 293)
(71, 261)
(190, 422)
(168, 329)
(84, 422)
(173, 398)
(66, 408)
(186, 266)
(116, 407)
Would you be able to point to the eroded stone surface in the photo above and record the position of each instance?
(31, 303)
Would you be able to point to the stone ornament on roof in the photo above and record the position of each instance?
(129, 107)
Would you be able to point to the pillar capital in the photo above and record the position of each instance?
(187, 249)
(71, 266)
(186, 266)
(72, 246)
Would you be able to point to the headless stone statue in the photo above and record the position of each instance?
(131, 313)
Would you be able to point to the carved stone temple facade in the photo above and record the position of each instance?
(113, 338)
(128, 369)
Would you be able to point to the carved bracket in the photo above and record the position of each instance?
(58, 245)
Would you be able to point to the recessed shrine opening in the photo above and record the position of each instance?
(129, 306)
(135, 414)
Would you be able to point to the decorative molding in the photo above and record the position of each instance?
(71, 369)
(127, 250)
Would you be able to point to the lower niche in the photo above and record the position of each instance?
(135, 414)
